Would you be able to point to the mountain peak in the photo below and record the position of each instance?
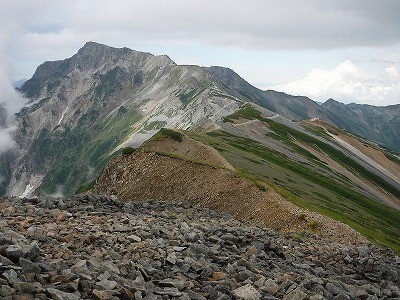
(333, 102)
(91, 48)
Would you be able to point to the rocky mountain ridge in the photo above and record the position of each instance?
(96, 247)
(84, 108)
(369, 121)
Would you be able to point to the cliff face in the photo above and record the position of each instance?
(86, 106)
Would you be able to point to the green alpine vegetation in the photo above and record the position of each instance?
(316, 188)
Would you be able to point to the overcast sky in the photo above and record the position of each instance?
(348, 50)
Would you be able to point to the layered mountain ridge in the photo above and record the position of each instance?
(86, 107)
(255, 163)
(379, 124)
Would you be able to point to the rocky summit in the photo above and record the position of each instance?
(97, 247)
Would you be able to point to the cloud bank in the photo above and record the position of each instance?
(348, 83)
(10, 103)
(35, 31)
(258, 23)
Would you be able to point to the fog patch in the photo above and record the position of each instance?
(6, 141)
(59, 193)
(11, 102)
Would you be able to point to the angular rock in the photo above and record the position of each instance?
(171, 258)
(246, 292)
(81, 269)
(11, 276)
(341, 297)
(195, 296)
(295, 295)
(60, 295)
(34, 251)
(150, 296)
(6, 291)
(172, 292)
(218, 276)
(14, 252)
(107, 284)
(4, 261)
(111, 267)
(104, 294)
(134, 238)
(25, 287)
(179, 284)
(271, 287)
(28, 266)
(199, 249)
(23, 296)
(191, 237)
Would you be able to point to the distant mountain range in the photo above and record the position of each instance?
(86, 107)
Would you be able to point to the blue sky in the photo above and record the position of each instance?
(346, 50)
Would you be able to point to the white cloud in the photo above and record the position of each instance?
(12, 102)
(6, 142)
(392, 70)
(40, 30)
(260, 24)
(348, 83)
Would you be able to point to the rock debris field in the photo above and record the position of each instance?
(96, 247)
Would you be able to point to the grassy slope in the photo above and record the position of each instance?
(305, 186)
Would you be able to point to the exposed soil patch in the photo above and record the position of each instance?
(188, 148)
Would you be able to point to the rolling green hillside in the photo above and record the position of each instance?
(305, 179)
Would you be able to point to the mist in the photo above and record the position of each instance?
(6, 141)
(59, 192)
(11, 102)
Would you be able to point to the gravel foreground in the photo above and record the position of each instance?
(96, 247)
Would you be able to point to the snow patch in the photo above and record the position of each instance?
(33, 184)
(62, 116)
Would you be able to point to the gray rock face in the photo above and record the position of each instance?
(93, 252)
(74, 98)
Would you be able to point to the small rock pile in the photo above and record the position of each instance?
(96, 247)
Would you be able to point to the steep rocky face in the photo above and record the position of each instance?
(379, 124)
(84, 107)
